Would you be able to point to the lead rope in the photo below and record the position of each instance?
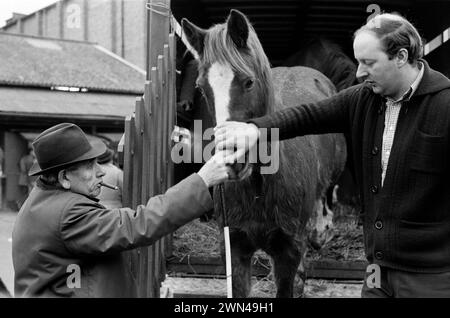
(226, 234)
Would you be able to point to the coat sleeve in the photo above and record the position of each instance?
(89, 229)
(331, 115)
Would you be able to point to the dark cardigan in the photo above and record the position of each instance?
(407, 221)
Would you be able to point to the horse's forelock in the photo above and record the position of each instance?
(219, 47)
(253, 62)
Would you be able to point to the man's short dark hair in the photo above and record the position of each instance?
(395, 33)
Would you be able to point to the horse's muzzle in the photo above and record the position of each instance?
(241, 171)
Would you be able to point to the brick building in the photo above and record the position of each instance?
(117, 25)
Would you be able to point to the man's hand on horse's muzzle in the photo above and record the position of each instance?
(238, 136)
(215, 170)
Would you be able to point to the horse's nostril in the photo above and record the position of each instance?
(240, 171)
(236, 170)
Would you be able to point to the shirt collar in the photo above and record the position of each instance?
(413, 88)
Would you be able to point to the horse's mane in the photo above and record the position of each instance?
(328, 58)
(251, 62)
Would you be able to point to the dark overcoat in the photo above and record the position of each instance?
(58, 232)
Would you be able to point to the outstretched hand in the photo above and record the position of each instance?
(236, 138)
(215, 170)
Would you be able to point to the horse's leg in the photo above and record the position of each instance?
(322, 224)
(241, 254)
(300, 278)
(286, 257)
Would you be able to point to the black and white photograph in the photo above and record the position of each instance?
(222, 154)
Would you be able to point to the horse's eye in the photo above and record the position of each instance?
(201, 90)
(248, 84)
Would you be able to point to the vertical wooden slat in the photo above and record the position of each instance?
(146, 181)
(158, 27)
(128, 154)
(146, 177)
(162, 116)
(156, 106)
(137, 186)
(154, 154)
(133, 174)
(127, 160)
(167, 130)
(172, 101)
(137, 162)
(168, 240)
(140, 129)
(149, 159)
(160, 160)
(161, 156)
(145, 191)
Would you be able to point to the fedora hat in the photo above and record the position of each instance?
(63, 145)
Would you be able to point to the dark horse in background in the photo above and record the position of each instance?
(330, 59)
(265, 211)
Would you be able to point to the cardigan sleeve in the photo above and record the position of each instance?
(331, 115)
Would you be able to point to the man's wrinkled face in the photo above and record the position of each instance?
(374, 66)
(85, 178)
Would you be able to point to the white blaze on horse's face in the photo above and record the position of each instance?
(220, 77)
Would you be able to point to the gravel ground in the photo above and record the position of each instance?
(200, 287)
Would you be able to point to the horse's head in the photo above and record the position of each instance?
(234, 72)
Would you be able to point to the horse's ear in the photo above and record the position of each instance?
(237, 25)
(193, 37)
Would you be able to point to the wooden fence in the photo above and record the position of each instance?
(148, 169)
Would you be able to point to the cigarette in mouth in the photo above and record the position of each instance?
(109, 186)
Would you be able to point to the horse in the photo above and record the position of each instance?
(264, 211)
(330, 59)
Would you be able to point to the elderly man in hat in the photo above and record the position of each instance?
(61, 227)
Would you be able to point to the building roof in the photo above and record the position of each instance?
(36, 102)
(43, 62)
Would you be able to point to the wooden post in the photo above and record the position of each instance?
(161, 131)
(128, 153)
(158, 27)
(171, 68)
(155, 141)
(154, 135)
